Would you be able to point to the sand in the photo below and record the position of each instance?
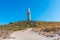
(28, 35)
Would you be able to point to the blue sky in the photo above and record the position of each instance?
(41, 10)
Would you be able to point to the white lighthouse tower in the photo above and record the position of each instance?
(28, 14)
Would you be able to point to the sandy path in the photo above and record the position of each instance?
(27, 35)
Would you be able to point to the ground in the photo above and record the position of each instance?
(29, 35)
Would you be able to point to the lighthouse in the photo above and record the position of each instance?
(28, 15)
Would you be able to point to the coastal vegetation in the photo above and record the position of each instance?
(37, 26)
(21, 25)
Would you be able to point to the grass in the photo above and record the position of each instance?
(22, 25)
